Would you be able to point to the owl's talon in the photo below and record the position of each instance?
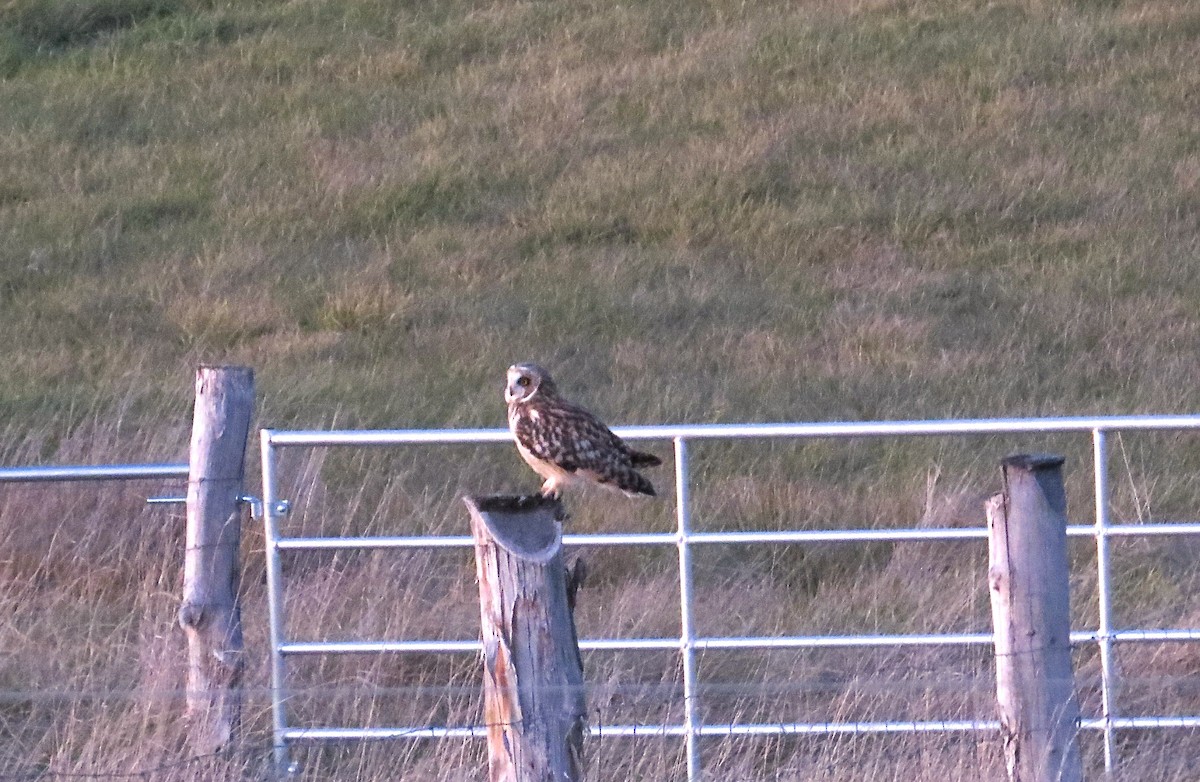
(528, 501)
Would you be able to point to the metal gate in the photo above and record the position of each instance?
(683, 539)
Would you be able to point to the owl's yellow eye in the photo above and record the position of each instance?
(522, 381)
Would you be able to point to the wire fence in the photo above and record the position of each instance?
(687, 711)
(151, 773)
(256, 756)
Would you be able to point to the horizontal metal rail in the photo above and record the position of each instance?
(727, 643)
(1141, 723)
(664, 731)
(379, 647)
(755, 536)
(651, 644)
(736, 431)
(730, 730)
(99, 472)
(381, 542)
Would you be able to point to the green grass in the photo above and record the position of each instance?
(910, 198)
(700, 212)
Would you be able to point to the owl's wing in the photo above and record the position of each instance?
(569, 437)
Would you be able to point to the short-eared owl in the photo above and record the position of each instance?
(566, 444)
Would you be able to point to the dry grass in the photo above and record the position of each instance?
(92, 668)
(712, 211)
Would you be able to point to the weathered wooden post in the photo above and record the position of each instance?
(534, 702)
(210, 614)
(1028, 580)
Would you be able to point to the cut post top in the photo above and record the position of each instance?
(526, 527)
(1034, 461)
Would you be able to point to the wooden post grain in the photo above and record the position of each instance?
(210, 614)
(534, 702)
(1028, 580)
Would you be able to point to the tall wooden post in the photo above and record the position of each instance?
(210, 614)
(534, 702)
(1028, 580)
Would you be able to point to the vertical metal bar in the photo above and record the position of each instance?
(1107, 671)
(275, 621)
(687, 633)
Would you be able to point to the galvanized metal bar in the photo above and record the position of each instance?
(727, 643)
(1142, 723)
(96, 472)
(687, 630)
(622, 539)
(462, 647)
(839, 535)
(837, 728)
(1142, 530)
(655, 539)
(733, 431)
(844, 641)
(650, 644)
(379, 647)
(1104, 599)
(369, 437)
(1155, 636)
(384, 733)
(166, 500)
(728, 730)
(382, 542)
(745, 537)
(653, 731)
(275, 618)
(911, 428)
(923, 726)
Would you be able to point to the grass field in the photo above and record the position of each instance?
(692, 212)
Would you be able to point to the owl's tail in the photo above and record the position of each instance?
(639, 459)
(632, 483)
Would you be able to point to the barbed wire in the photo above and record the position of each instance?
(261, 751)
(649, 697)
(973, 673)
(243, 749)
(148, 773)
(981, 682)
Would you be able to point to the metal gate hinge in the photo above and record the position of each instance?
(282, 507)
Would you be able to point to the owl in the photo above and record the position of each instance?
(566, 444)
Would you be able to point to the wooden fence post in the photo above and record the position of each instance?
(1028, 580)
(210, 614)
(534, 702)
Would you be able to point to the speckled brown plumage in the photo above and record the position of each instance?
(566, 444)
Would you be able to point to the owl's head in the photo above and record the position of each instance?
(526, 380)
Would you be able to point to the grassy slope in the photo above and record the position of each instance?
(692, 211)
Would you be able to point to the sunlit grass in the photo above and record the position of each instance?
(689, 211)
